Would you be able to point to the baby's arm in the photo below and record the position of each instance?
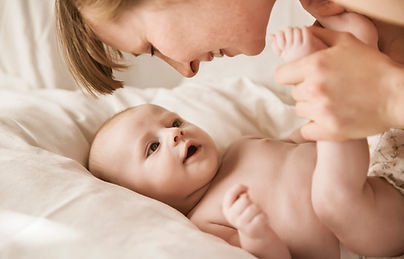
(365, 213)
(255, 235)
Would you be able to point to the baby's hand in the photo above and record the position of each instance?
(244, 214)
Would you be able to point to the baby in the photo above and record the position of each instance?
(274, 198)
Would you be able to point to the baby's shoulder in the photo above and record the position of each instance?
(251, 145)
(240, 144)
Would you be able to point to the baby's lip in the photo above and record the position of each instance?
(190, 150)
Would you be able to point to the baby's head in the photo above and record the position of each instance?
(156, 153)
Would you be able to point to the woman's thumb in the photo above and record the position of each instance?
(328, 8)
(329, 37)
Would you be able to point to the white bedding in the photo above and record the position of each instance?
(50, 206)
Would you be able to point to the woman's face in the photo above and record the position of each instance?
(186, 32)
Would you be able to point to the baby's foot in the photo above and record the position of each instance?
(294, 43)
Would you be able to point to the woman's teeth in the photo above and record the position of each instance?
(217, 53)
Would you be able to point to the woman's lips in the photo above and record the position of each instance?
(225, 52)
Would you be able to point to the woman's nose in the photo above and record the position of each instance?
(187, 69)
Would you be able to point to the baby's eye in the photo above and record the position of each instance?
(176, 123)
(153, 147)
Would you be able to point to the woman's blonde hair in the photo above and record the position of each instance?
(89, 60)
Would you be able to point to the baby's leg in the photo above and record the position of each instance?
(360, 26)
(295, 43)
(365, 213)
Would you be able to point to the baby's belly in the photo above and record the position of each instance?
(279, 176)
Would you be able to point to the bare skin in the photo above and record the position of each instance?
(278, 181)
(298, 199)
(185, 33)
(266, 196)
(336, 99)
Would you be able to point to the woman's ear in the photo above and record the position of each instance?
(322, 7)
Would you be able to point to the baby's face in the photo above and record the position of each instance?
(159, 154)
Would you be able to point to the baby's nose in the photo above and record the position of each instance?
(176, 135)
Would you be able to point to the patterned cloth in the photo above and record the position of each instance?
(387, 157)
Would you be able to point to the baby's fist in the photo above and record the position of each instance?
(244, 214)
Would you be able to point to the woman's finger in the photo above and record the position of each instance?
(313, 131)
(291, 73)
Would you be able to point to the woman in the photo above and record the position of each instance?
(354, 99)
(184, 33)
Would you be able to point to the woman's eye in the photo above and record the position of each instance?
(176, 124)
(152, 49)
(153, 147)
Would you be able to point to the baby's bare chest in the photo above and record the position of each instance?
(273, 171)
(278, 177)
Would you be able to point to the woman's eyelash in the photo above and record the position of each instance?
(152, 49)
(152, 148)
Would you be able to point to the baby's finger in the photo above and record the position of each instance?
(233, 194)
(258, 226)
(233, 213)
(248, 214)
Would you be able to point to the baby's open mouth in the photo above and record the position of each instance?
(191, 150)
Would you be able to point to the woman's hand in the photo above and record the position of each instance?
(348, 90)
